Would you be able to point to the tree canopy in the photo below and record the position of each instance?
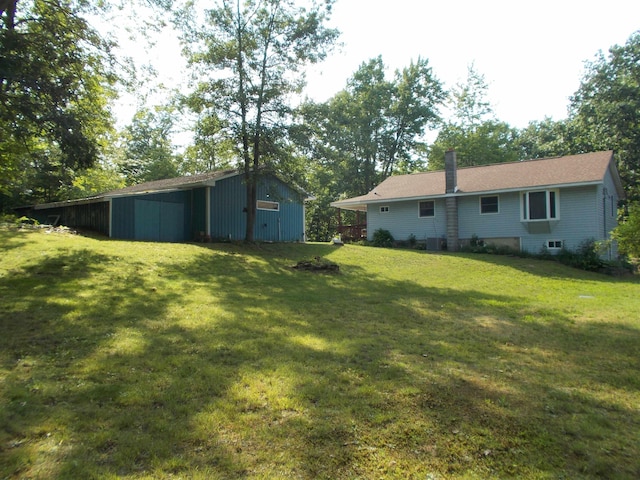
(372, 129)
(473, 131)
(251, 54)
(54, 94)
(606, 109)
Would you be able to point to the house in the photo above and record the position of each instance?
(197, 207)
(530, 205)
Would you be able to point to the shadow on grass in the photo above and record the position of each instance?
(278, 373)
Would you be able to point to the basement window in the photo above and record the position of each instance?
(384, 209)
(267, 205)
(554, 244)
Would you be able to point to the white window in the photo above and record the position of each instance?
(554, 244)
(384, 209)
(489, 204)
(427, 209)
(540, 205)
(267, 205)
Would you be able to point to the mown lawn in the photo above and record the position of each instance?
(142, 360)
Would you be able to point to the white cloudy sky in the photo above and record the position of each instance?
(532, 54)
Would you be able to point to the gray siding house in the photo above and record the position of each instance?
(530, 205)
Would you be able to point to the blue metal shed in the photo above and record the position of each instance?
(209, 206)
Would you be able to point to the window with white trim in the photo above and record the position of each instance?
(427, 209)
(267, 205)
(554, 244)
(489, 204)
(540, 205)
(384, 209)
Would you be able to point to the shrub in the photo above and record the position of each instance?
(412, 240)
(628, 233)
(382, 238)
(586, 257)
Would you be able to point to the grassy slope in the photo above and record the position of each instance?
(142, 360)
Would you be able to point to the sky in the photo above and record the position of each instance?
(531, 54)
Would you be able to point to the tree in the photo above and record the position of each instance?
(54, 90)
(474, 133)
(547, 138)
(628, 232)
(368, 131)
(469, 100)
(606, 109)
(251, 54)
(147, 145)
(211, 149)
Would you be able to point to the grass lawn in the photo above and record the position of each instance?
(141, 360)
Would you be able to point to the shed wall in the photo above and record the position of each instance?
(228, 211)
(162, 217)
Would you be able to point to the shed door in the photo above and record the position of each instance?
(159, 221)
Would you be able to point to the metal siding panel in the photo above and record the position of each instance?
(198, 211)
(285, 225)
(172, 222)
(228, 218)
(228, 200)
(147, 219)
(123, 218)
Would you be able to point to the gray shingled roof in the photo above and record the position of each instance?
(588, 168)
(149, 187)
(172, 183)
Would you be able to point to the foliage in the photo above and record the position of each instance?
(370, 130)
(96, 180)
(211, 149)
(382, 238)
(483, 144)
(469, 100)
(250, 56)
(606, 109)
(627, 233)
(476, 136)
(137, 360)
(55, 83)
(148, 150)
(586, 257)
(547, 138)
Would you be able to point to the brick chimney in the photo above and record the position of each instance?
(451, 201)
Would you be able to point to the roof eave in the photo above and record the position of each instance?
(352, 205)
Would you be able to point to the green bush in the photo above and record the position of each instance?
(586, 257)
(382, 238)
(628, 233)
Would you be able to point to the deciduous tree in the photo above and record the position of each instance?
(251, 54)
(474, 133)
(54, 91)
(606, 109)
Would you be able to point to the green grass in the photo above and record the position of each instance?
(140, 360)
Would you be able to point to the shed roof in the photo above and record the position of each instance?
(583, 169)
(174, 183)
(178, 183)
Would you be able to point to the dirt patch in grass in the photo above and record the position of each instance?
(318, 265)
